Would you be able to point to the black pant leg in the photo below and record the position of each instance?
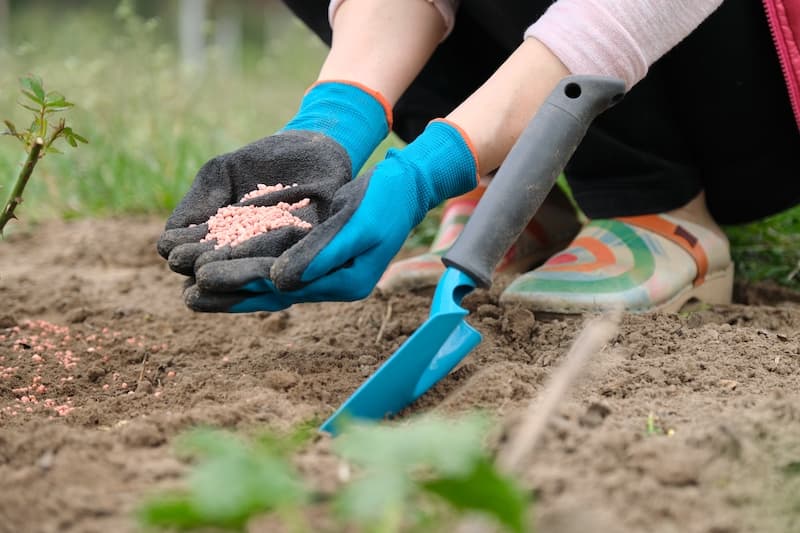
(634, 159)
(712, 114)
(730, 97)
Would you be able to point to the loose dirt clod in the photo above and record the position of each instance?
(232, 225)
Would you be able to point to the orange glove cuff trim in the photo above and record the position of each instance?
(469, 144)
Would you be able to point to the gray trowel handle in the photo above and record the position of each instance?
(529, 172)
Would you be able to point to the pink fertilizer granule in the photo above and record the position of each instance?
(235, 224)
(42, 365)
(262, 189)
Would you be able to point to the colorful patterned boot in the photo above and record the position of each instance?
(642, 263)
(549, 231)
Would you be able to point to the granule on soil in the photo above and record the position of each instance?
(44, 360)
(232, 225)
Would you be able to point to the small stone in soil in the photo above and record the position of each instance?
(7, 321)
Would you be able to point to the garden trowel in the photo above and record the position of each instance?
(515, 194)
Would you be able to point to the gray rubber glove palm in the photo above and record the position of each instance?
(314, 162)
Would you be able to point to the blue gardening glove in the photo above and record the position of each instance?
(342, 258)
(336, 129)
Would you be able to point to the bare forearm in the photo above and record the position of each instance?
(382, 44)
(494, 116)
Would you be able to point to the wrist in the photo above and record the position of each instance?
(353, 115)
(443, 160)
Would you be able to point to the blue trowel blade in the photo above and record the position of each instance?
(392, 386)
(426, 357)
(460, 342)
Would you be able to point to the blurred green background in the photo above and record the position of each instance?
(153, 113)
(162, 86)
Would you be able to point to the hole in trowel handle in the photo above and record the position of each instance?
(572, 90)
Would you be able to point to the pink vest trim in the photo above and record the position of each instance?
(784, 22)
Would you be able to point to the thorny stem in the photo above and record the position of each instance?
(15, 198)
(42, 121)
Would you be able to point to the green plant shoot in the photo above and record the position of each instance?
(651, 428)
(233, 481)
(399, 465)
(39, 137)
(429, 469)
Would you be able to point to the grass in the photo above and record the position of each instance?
(769, 249)
(152, 123)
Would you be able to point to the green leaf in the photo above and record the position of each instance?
(283, 445)
(12, 129)
(367, 499)
(30, 108)
(484, 489)
(417, 444)
(171, 511)
(55, 108)
(391, 456)
(792, 468)
(54, 98)
(234, 481)
(53, 150)
(80, 138)
(33, 84)
(33, 97)
(69, 135)
(243, 485)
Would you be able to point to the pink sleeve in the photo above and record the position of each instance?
(621, 38)
(447, 8)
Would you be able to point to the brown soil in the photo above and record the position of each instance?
(93, 433)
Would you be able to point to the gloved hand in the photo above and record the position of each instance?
(343, 257)
(337, 127)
